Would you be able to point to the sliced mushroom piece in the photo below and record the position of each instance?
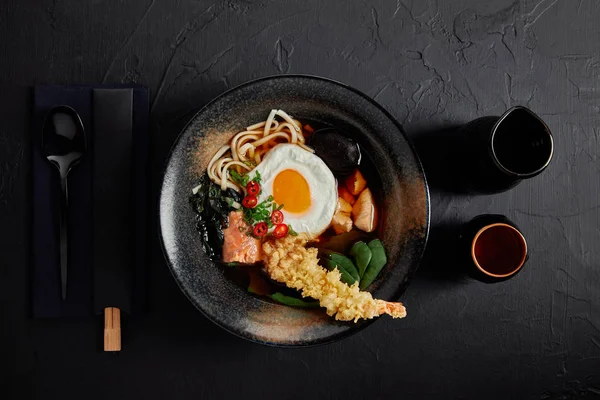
(364, 212)
(341, 222)
(355, 182)
(345, 194)
(343, 206)
(340, 153)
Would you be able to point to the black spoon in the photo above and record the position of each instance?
(63, 142)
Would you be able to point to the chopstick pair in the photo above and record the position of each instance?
(113, 128)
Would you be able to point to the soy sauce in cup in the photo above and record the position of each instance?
(497, 249)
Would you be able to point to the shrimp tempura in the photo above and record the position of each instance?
(288, 261)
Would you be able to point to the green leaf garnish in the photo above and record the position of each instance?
(240, 179)
(291, 231)
(260, 213)
(292, 301)
(257, 177)
(232, 264)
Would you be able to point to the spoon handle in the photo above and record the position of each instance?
(63, 237)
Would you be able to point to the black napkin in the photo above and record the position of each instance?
(88, 290)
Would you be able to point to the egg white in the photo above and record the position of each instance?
(321, 183)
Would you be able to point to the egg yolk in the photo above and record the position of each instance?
(291, 189)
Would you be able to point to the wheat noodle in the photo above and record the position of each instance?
(248, 147)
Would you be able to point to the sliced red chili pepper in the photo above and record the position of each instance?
(281, 230)
(253, 188)
(250, 201)
(277, 217)
(260, 229)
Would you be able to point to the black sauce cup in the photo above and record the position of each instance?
(502, 151)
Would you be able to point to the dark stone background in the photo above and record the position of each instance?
(433, 65)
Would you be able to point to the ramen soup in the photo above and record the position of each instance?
(288, 208)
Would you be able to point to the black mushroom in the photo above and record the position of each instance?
(340, 153)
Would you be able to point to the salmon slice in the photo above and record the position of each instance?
(238, 246)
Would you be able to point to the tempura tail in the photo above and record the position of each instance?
(288, 261)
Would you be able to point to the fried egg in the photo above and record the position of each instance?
(303, 184)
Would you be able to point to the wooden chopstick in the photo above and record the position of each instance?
(112, 329)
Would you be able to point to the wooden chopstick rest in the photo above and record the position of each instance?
(112, 329)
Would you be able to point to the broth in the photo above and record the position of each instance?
(252, 277)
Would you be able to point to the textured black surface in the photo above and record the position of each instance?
(434, 65)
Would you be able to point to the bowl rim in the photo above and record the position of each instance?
(338, 336)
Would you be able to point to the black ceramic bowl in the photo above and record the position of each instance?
(403, 201)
